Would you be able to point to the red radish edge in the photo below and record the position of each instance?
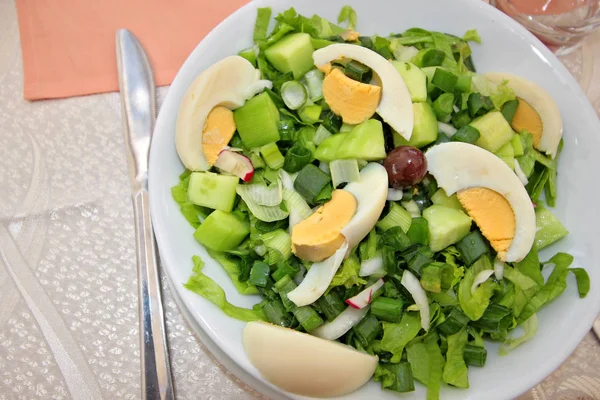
(364, 298)
(236, 164)
(534, 205)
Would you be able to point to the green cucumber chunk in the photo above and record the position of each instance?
(446, 226)
(212, 190)
(222, 231)
(442, 199)
(414, 78)
(292, 54)
(494, 130)
(272, 156)
(256, 121)
(548, 228)
(365, 142)
(507, 154)
(425, 130)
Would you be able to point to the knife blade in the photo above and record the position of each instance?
(138, 105)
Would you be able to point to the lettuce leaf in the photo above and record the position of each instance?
(530, 266)
(524, 289)
(263, 16)
(583, 281)
(233, 271)
(191, 212)
(498, 93)
(396, 336)
(530, 327)
(347, 275)
(475, 304)
(347, 13)
(455, 370)
(427, 363)
(472, 36)
(210, 290)
(316, 26)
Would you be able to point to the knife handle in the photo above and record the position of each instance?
(156, 371)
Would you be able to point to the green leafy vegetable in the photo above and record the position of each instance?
(455, 370)
(211, 291)
(530, 326)
(233, 271)
(347, 14)
(396, 336)
(583, 281)
(474, 305)
(472, 36)
(347, 275)
(262, 24)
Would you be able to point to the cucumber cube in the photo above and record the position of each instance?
(364, 142)
(256, 121)
(442, 199)
(446, 226)
(494, 130)
(222, 231)
(292, 54)
(548, 228)
(425, 130)
(212, 190)
(414, 78)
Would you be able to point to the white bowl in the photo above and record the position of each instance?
(506, 47)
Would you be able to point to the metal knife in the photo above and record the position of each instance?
(138, 103)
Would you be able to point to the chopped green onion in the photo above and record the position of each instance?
(358, 71)
(272, 156)
(296, 158)
(474, 355)
(324, 195)
(420, 259)
(395, 239)
(463, 84)
(321, 134)
(314, 81)
(429, 58)
(454, 322)
(263, 17)
(310, 181)
(343, 171)
(443, 106)
(466, 134)
(280, 81)
(280, 241)
(284, 269)
(396, 216)
(479, 105)
(308, 318)
(367, 330)
(412, 207)
(386, 309)
(495, 320)
(284, 286)
(472, 246)
(418, 233)
(444, 79)
(310, 113)
(332, 122)
(276, 313)
(331, 305)
(368, 248)
(293, 94)
(259, 274)
(461, 119)
(263, 213)
(509, 109)
(437, 277)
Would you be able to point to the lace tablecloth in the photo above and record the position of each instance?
(68, 298)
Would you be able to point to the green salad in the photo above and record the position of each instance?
(376, 191)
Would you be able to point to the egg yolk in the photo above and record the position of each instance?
(493, 215)
(527, 118)
(218, 131)
(354, 101)
(319, 236)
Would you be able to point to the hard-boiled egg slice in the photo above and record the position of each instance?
(204, 108)
(305, 364)
(537, 111)
(328, 235)
(395, 106)
(490, 192)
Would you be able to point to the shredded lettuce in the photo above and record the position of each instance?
(233, 271)
(455, 370)
(524, 289)
(474, 304)
(191, 212)
(472, 36)
(530, 327)
(347, 275)
(211, 291)
(263, 17)
(498, 93)
(348, 14)
(530, 266)
(427, 363)
(396, 336)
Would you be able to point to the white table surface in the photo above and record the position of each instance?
(68, 297)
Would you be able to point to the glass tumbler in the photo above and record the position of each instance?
(560, 24)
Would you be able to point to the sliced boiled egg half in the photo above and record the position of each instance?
(335, 228)
(537, 112)
(205, 121)
(304, 364)
(491, 194)
(356, 102)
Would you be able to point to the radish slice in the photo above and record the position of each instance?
(499, 268)
(318, 278)
(363, 299)
(342, 324)
(372, 266)
(236, 164)
(412, 284)
(480, 278)
(394, 194)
